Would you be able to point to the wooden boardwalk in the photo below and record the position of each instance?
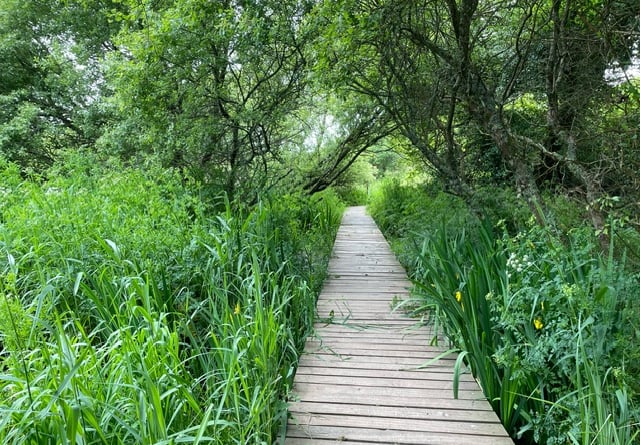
(360, 379)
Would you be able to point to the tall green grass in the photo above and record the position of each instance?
(134, 312)
(460, 279)
(545, 321)
(516, 316)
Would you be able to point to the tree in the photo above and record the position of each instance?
(450, 74)
(357, 126)
(211, 85)
(51, 79)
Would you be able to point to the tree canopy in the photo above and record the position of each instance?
(496, 92)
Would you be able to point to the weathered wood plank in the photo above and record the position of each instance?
(390, 436)
(385, 391)
(383, 382)
(403, 424)
(335, 359)
(445, 375)
(345, 400)
(369, 374)
(378, 344)
(401, 412)
(332, 332)
(329, 361)
(369, 323)
(389, 348)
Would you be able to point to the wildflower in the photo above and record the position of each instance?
(236, 311)
(618, 373)
(537, 323)
(458, 296)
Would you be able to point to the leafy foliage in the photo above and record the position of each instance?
(51, 78)
(543, 321)
(132, 311)
(210, 86)
(494, 93)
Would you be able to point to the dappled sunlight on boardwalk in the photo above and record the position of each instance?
(362, 378)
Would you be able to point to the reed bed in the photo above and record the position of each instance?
(544, 319)
(133, 311)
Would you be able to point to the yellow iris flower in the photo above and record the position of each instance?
(537, 323)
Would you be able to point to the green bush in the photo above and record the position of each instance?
(353, 195)
(407, 213)
(401, 210)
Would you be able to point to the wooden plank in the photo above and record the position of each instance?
(389, 436)
(306, 388)
(337, 331)
(402, 424)
(360, 399)
(366, 293)
(408, 351)
(329, 361)
(445, 374)
(408, 330)
(402, 412)
(372, 356)
(307, 441)
(397, 344)
(383, 382)
(381, 307)
(395, 325)
(434, 357)
(378, 289)
(370, 375)
(383, 281)
(369, 323)
(373, 307)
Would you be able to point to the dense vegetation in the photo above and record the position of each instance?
(133, 312)
(544, 319)
(169, 173)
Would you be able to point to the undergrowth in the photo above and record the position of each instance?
(545, 320)
(133, 311)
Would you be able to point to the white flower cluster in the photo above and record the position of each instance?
(518, 265)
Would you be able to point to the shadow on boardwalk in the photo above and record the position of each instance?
(360, 379)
